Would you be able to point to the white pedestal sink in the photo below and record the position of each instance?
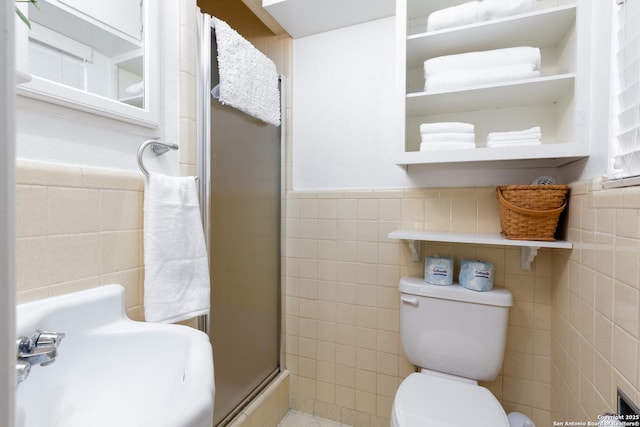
(111, 371)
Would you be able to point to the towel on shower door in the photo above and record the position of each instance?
(176, 283)
(248, 79)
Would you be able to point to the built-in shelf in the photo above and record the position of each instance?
(551, 101)
(529, 248)
(541, 90)
(523, 30)
(535, 156)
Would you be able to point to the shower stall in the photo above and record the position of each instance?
(240, 165)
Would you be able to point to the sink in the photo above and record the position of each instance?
(113, 371)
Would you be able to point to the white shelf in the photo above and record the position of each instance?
(550, 101)
(132, 61)
(523, 30)
(136, 101)
(528, 253)
(22, 77)
(66, 20)
(542, 90)
(545, 155)
(301, 18)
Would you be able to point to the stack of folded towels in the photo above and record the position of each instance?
(447, 136)
(477, 11)
(531, 136)
(462, 70)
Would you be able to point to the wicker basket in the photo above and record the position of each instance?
(531, 212)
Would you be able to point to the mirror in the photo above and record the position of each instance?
(91, 55)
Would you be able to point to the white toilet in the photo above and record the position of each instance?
(457, 336)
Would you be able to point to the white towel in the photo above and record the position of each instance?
(176, 283)
(483, 59)
(514, 143)
(248, 79)
(440, 127)
(493, 9)
(474, 12)
(451, 145)
(515, 138)
(447, 137)
(135, 89)
(454, 79)
(533, 132)
(466, 13)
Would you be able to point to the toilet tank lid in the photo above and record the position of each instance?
(417, 286)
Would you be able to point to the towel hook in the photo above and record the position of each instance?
(158, 148)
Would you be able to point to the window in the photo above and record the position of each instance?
(625, 165)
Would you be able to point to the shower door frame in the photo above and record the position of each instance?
(203, 135)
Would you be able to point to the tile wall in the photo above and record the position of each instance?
(596, 305)
(342, 302)
(78, 228)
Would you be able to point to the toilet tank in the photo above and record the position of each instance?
(454, 330)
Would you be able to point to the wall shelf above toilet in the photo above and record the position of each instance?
(529, 248)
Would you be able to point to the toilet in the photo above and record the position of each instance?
(457, 337)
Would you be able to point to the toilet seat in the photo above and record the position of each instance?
(426, 400)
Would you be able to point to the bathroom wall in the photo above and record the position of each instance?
(595, 339)
(342, 299)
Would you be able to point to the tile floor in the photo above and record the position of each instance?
(298, 419)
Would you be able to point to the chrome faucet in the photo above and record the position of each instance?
(41, 348)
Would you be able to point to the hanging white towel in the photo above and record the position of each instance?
(176, 284)
(248, 79)
(440, 127)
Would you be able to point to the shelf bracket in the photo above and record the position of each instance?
(527, 255)
(416, 250)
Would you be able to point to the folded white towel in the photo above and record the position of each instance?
(483, 59)
(474, 11)
(533, 132)
(176, 283)
(248, 79)
(443, 146)
(477, 77)
(440, 127)
(515, 140)
(493, 9)
(514, 143)
(135, 89)
(448, 137)
(466, 13)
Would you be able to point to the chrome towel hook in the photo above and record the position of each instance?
(158, 148)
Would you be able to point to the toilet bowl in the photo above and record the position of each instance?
(457, 337)
(431, 400)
